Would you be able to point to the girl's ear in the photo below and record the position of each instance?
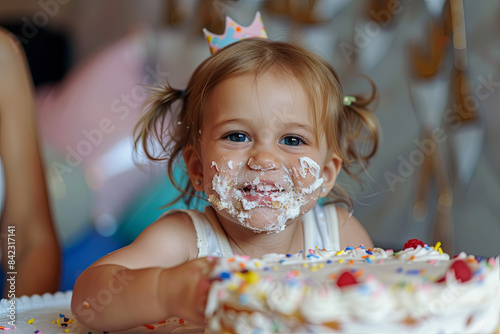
(330, 173)
(194, 167)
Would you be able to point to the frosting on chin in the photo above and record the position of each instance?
(241, 191)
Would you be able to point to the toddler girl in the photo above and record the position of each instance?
(264, 131)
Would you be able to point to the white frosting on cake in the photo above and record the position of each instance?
(393, 293)
(421, 254)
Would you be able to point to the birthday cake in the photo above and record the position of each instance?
(356, 290)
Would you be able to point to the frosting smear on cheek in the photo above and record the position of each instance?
(239, 192)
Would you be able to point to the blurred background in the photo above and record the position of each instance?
(435, 63)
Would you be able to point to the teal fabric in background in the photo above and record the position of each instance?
(144, 209)
(150, 204)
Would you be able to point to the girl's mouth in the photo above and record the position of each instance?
(261, 193)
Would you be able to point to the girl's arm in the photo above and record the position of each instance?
(26, 206)
(351, 232)
(148, 281)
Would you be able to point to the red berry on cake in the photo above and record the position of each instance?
(346, 279)
(413, 243)
(462, 272)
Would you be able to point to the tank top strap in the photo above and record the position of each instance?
(224, 245)
(198, 222)
(308, 227)
(332, 225)
(210, 238)
(321, 228)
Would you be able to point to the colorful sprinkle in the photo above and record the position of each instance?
(149, 326)
(31, 321)
(340, 252)
(358, 273)
(225, 275)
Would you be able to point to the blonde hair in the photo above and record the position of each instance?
(173, 127)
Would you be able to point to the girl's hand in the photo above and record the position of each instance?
(188, 287)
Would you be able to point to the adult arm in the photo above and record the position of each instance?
(26, 204)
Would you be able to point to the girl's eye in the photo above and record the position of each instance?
(292, 141)
(237, 137)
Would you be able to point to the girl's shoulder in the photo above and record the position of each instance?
(351, 232)
(174, 232)
(168, 242)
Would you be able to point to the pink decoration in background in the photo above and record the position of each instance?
(88, 119)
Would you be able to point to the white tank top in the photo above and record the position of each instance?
(320, 226)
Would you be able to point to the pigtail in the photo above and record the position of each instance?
(153, 126)
(359, 138)
(161, 134)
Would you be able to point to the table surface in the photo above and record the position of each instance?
(42, 313)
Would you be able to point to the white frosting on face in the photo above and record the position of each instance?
(241, 191)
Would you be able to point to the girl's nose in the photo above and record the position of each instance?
(263, 161)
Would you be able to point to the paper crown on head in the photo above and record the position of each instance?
(235, 32)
